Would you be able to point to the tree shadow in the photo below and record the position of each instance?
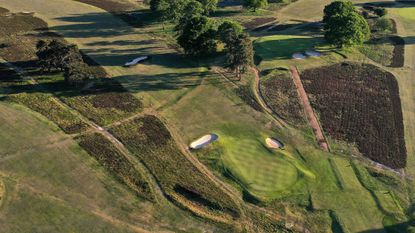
(398, 228)
(284, 48)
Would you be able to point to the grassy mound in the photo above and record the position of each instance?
(149, 140)
(360, 104)
(115, 162)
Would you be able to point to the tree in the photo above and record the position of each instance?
(228, 30)
(171, 10)
(343, 25)
(77, 73)
(198, 36)
(209, 6)
(239, 53)
(255, 4)
(337, 8)
(56, 55)
(380, 11)
(174, 10)
(192, 9)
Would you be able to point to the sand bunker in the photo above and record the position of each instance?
(298, 56)
(136, 61)
(311, 53)
(273, 143)
(203, 141)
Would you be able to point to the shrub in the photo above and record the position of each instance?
(114, 161)
(360, 104)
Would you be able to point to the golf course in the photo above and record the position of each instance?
(309, 137)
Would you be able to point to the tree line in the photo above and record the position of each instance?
(199, 35)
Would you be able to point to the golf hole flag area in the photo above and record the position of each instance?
(262, 172)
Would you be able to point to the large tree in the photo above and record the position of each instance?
(174, 10)
(337, 8)
(239, 53)
(228, 30)
(255, 4)
(343, 25)
(198, 36)
(57, 55)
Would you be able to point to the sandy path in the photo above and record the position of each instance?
(311, 117)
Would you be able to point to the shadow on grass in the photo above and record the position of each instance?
(398, 228)
(388, 4)
(284, 48)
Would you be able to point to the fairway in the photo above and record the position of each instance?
(283, 46)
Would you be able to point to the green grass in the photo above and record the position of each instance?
(284, 46)
(407, 13)
(263, 172)
(149, 140)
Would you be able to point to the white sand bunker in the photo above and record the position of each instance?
(136, 61)
(273, 143)
(204, 141)
(311, 53)
(299, 56)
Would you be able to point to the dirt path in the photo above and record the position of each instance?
(311, 117)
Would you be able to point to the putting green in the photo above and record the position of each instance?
(263, 172)
(283, 46)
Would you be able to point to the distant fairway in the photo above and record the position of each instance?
(283, 46)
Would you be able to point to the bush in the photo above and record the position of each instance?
(114, 161)
(45, 105)
(360, 104)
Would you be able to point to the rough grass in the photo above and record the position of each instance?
(19, 34)
(360, 104)
(103, 100)
(116, 163)
(45, 105)
(379, 50)
(149, 140)
(280, 94)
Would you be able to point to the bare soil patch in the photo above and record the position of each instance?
(360, 104)
(398, 59)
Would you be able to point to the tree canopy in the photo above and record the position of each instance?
(198, 36)
(174, 10)
(228, 30)
(255, 4)
(239, 53)
(56, 55)
(344, 26)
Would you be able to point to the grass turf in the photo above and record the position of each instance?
(284, 46)
(149, 140)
